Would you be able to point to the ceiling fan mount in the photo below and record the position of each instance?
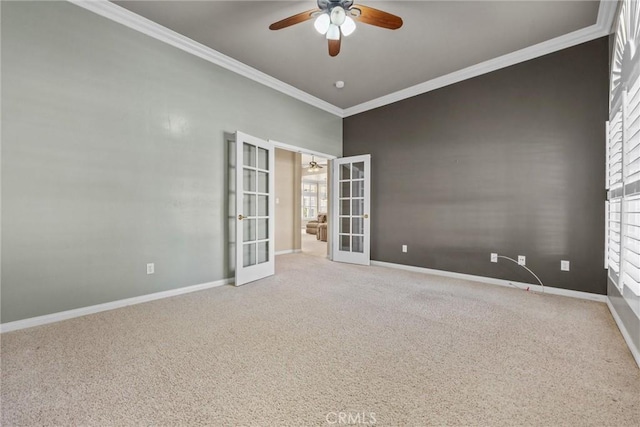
(337, 18)
(313, 165)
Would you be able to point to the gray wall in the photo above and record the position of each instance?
(625, 313)
(113, 155)
(510, 162)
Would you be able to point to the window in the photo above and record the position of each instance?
(322, 198)
(309, 200)
(623, 158)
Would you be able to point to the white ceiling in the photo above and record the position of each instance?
(437, 38)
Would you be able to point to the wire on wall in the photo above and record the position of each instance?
(526, 268)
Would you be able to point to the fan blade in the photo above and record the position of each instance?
(292, 20)
(334, 47)
(371, 16)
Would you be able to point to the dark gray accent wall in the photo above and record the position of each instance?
(511, 162)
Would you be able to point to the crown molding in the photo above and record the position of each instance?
(136, 22)
(602, 27)
(607, 14)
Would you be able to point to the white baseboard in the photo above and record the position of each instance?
(625, 334)
(83, 311)
(492, 281)
(289, 251)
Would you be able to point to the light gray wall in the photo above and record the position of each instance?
(626, 314)
(113, 156)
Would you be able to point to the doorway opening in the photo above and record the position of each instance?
(302, 192)
(314, 206)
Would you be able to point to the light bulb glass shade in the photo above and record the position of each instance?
(333, 33)
(322, 23)
(348, 27)
(338, 15)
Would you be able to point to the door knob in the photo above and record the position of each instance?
(240, 217)
(365, 216)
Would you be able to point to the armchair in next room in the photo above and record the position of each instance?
(312, 226)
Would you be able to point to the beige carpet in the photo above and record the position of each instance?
(319, 339)
(312, 246)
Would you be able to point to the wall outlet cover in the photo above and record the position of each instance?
(565, 265)
(404, 248)
(494, 257)
(151, 268)
(522, 260)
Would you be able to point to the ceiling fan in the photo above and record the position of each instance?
(313, 165)
(335, 18)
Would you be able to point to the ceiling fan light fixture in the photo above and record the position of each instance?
(333, 33)
(338, 15)
(322, 23)
(348, 27)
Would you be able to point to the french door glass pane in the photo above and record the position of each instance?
(263, 252)
(249, 205)
(263, 205)
(345, 189)
(344, 207)
(249, 155)
(344, 225)
(345, 171)
(358, 226)
(345, 242)
(358, 189)
(263, 182)
(249, 232)
(249, 254)
(357, 171)
(249, 178)
(263, 159)
(263, 228)
(357, 244)
(358, 207)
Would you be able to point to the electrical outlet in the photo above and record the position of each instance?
(151, 268)
(522, 260)
(564, 265)
(404, 248)
(494, 257)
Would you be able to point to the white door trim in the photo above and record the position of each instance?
(296, 149)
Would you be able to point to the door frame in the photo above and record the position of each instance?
(330, 158)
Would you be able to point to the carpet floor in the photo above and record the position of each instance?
(312, 246)
(323, 343)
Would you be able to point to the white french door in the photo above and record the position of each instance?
(351, 202)
(254, 209)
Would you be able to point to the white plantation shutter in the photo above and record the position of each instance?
(631, 250)
(622, 245)
(614, 153)
(630, 277)
(632, 139)
(614, 239)
(614, 185)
